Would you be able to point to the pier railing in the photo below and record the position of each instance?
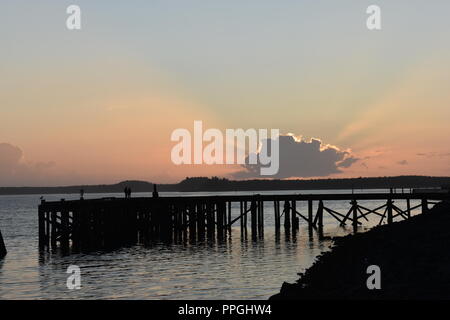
(108, 223)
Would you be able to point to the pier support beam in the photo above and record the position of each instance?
(193, 223)
(3, 251)
(260, 219)
(221, 219)
(424, 206)
(354, 204)
(229, 217)
(287, 217)
(276, 205)
(241, 217)
(201, 221)
(211, 229)
(408, 208)
(295, 221)
(41, 217)
(310, 216)
(254, 220)
(54, 223)
(245, 216)
(319, 216)
(389, 211)
(65, 232)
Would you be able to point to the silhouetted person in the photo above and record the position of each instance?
(155, 192)
(127, 192)
(82, 194)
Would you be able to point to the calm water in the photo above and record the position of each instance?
(235, 269)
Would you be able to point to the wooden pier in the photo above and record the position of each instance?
(108, 223)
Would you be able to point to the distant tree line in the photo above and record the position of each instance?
(218, 184)
(192, 184)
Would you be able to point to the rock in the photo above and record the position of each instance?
(412, 255)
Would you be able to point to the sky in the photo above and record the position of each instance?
(98, 105)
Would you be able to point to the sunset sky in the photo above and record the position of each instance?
(98, 105)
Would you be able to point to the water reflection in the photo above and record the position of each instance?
(230, 268)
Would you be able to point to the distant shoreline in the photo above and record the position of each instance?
(202, 184)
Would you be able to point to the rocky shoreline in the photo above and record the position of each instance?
(413, 257)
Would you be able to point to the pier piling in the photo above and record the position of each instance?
(354, 209)
(389, 211)
(287, 217)
(3, 250)
(424, 206)
(254, 219)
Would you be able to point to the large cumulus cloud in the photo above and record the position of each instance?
(299, 158)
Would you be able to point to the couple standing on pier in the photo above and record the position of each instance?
(127, 192)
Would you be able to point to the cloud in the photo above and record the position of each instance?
(347, 163)
(402, 163)
(299, 158)
(13, 168)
